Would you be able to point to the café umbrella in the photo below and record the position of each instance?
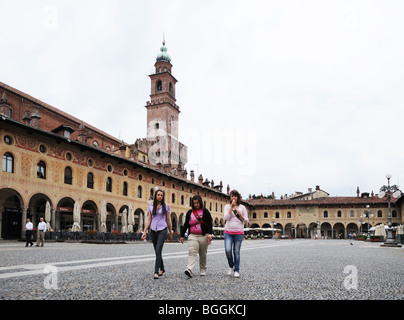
(76, 217)
(103, 227)
(130, 218)
(380, 230)
(47, 215)
(141, 221)
(124, 221)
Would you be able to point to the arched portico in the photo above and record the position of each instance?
(12, 212)
(326, 230)
(37, 206)
(64, 214)
(175, 226)
(140, 219)
(352, 228)
(112, 218)
(339, 231)
(313, 230)
(89, 216)
(301, 231)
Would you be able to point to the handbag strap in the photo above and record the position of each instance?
(199, 218)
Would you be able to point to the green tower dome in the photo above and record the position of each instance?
(163, 55)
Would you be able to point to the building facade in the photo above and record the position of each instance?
(49, 156)
(52, 157)
(315, 212)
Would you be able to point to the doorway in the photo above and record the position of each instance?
(11, 224)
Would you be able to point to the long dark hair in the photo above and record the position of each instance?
(198, 198)
(236, 194)
(163, 204)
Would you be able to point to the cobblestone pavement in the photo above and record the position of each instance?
(298, 269)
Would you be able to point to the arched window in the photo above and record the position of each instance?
(90, 180)
(109, 185)
(125, 189)
(151, 193)
(8, 162)
(325, 214)
(41, 170)
(173, 198)
(277, 215)
(68, 175)
(159, 85)
(139, 192)
(289, 215)
(265, 214)
(170, 88)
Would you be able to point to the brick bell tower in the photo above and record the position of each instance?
(163, 116)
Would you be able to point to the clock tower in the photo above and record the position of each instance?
(163, 116)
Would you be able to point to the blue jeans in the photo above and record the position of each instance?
(158, 238)
(232, 244)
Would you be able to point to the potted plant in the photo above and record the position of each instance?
(375, 238)
(360, 237)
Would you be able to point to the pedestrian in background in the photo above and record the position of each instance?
(199, 222)
(236, 217)
(158, 219)
(41, 232)
(28, 232)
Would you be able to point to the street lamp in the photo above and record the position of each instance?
(273, 227)
(360, 222)
(390, 241)
(368, 214)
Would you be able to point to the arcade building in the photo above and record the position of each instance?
(51, 157)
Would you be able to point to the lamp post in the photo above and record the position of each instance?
(273, 228)
(390, 241)
(360, 222)
(368, 214)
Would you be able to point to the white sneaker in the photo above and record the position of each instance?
(203, 273)
(236, 274)
(230, 272)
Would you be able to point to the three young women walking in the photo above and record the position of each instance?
(236, 217)
(158, 219)
(198, 221)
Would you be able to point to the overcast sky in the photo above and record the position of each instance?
(275, 96)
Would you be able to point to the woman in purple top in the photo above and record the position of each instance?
(158, 221)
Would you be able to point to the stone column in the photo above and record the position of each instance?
(1, 219)
(24, 221)
(53, 219)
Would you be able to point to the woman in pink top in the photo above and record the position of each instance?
(236, 216)
(198, 221)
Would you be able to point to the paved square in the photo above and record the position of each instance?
(298, 269)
